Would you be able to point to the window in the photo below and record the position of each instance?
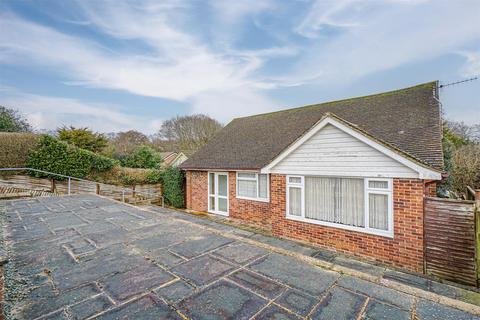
(253, 186)
(351, 203)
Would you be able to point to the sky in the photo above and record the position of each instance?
(119, 65)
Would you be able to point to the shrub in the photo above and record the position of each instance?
(83, 138)
(465, 170)
(15, 148)
(173, 187)
(60, 157)
(127, 176)
(143, 157)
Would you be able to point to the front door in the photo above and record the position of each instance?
(218, 193)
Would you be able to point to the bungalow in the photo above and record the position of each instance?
(349, 175)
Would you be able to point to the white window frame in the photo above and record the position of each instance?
(267, 199)
(300, 186)
(215, 194)
(389, 192)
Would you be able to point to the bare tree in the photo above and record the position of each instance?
(126, 142)
(188, 133)
(467, 132)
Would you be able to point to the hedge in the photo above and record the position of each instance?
(127, 176)
(60, 157)
(15, 148)
(173, 180)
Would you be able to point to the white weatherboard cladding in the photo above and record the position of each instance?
(333, 152)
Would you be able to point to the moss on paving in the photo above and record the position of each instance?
(14, 286)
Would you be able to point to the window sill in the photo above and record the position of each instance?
(253, 199)
(387, 234)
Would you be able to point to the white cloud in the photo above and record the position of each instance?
(229, 104)
(155, 50)
(48, 112)
(390, 34)
(87, 63)
(471, 67)
(231, 12)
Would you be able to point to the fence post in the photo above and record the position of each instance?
(98, 188)
(69, 181)
(476, 213)
(123, 195)
(477, 198)
(53, 186)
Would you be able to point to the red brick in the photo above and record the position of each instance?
(404, 250)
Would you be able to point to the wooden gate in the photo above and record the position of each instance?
(450, 240)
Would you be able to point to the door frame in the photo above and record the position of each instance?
(215, 194)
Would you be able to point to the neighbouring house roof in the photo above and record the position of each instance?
(172, 158)
(406, 120)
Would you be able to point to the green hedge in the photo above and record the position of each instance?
(143, 157)
(15, 148)
(59, 157)
(173, 180)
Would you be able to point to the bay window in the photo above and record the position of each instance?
(252, 186)
(350, 203)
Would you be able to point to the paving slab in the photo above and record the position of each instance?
(428, 310)
(148, 307)
(166, 258)
(258, 284)
(240, 253)
(308, 278)
(90, 307)
(80, 257)
(44, 300)
(376, 311)
(203, 270)
(200, 244)
(274, 312)
(339, 304)
(378, 292)
(175, 291)
(222, 300)
(297, 301)
(125, 285)
(359, 266)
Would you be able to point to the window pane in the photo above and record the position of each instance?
(247, 188)
(212, 203)
(320, 198)
(378, 211)
(212, 183)
(294, 180)
(222, 185)
(222, 205)
(295, 201)
(247, 175)
(350, 203)
(335, 200)
(378, 184)
(262, 186)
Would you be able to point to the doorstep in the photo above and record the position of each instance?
(330, 259)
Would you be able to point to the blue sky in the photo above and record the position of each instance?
(119, 65)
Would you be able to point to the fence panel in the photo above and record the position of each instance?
(450, 240)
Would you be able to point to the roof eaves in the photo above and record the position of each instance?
(382, 142)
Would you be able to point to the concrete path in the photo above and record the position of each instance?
(86, 257)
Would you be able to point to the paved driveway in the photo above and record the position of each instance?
(84, 257)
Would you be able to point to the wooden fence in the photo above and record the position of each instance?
(450, 229)
(45, 187)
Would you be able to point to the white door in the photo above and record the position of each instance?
(218, 193)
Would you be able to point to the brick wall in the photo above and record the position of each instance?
(431, 189)
(197, 190)
(405, 250)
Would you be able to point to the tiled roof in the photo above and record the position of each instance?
(408, 120)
